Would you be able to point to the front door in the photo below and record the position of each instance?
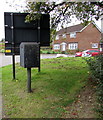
(63, 47)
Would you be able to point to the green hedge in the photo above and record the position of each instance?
(49, 52)
(96, 70)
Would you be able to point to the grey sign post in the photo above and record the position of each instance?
(13, 44)
(29, 80)
(101, 41)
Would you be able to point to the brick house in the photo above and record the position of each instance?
(77, 38)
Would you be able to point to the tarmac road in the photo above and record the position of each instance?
(6, 60)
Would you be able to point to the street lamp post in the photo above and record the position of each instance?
(101, 46)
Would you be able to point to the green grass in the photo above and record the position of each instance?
(54, 88)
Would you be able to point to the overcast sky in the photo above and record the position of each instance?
(4, 7)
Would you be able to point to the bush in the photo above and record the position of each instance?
(96, 69)
(2, 51)
(49, 51)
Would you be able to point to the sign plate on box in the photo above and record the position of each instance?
(8, 51)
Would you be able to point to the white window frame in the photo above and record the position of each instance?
(57, 37)
(73, 46)
(64, 36)
(94, 45)
(56, 46)
(73, 35)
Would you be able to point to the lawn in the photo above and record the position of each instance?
(54, 88)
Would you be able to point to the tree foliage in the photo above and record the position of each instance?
(61, 12)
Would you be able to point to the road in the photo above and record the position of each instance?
(6, 60)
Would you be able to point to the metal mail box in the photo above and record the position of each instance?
(29, 54)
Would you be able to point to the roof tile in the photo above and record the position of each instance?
(75, 28)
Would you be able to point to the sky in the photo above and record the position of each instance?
(5, 7)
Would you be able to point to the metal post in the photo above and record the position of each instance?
(13, 45)
(39, 59)
(13, 59)
(102, 33)
(39, 42)
(29, 79)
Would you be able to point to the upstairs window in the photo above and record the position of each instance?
(57, 37)
(64, 36)
(73, 35)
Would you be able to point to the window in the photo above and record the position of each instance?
(57, 37)
(94, 45)
(73, 35)
(56, 47)
(64, 36)
(91, 51)
(73, 46)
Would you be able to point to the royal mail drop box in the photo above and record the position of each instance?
(29, 54)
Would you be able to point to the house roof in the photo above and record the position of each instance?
(75, 28)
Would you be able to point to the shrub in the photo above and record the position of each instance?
(96, 69)
(2, 51)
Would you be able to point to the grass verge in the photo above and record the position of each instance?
(55, 87)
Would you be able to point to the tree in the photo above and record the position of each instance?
(61, 12)
(2, 40)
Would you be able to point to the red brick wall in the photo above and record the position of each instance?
(88, 36)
